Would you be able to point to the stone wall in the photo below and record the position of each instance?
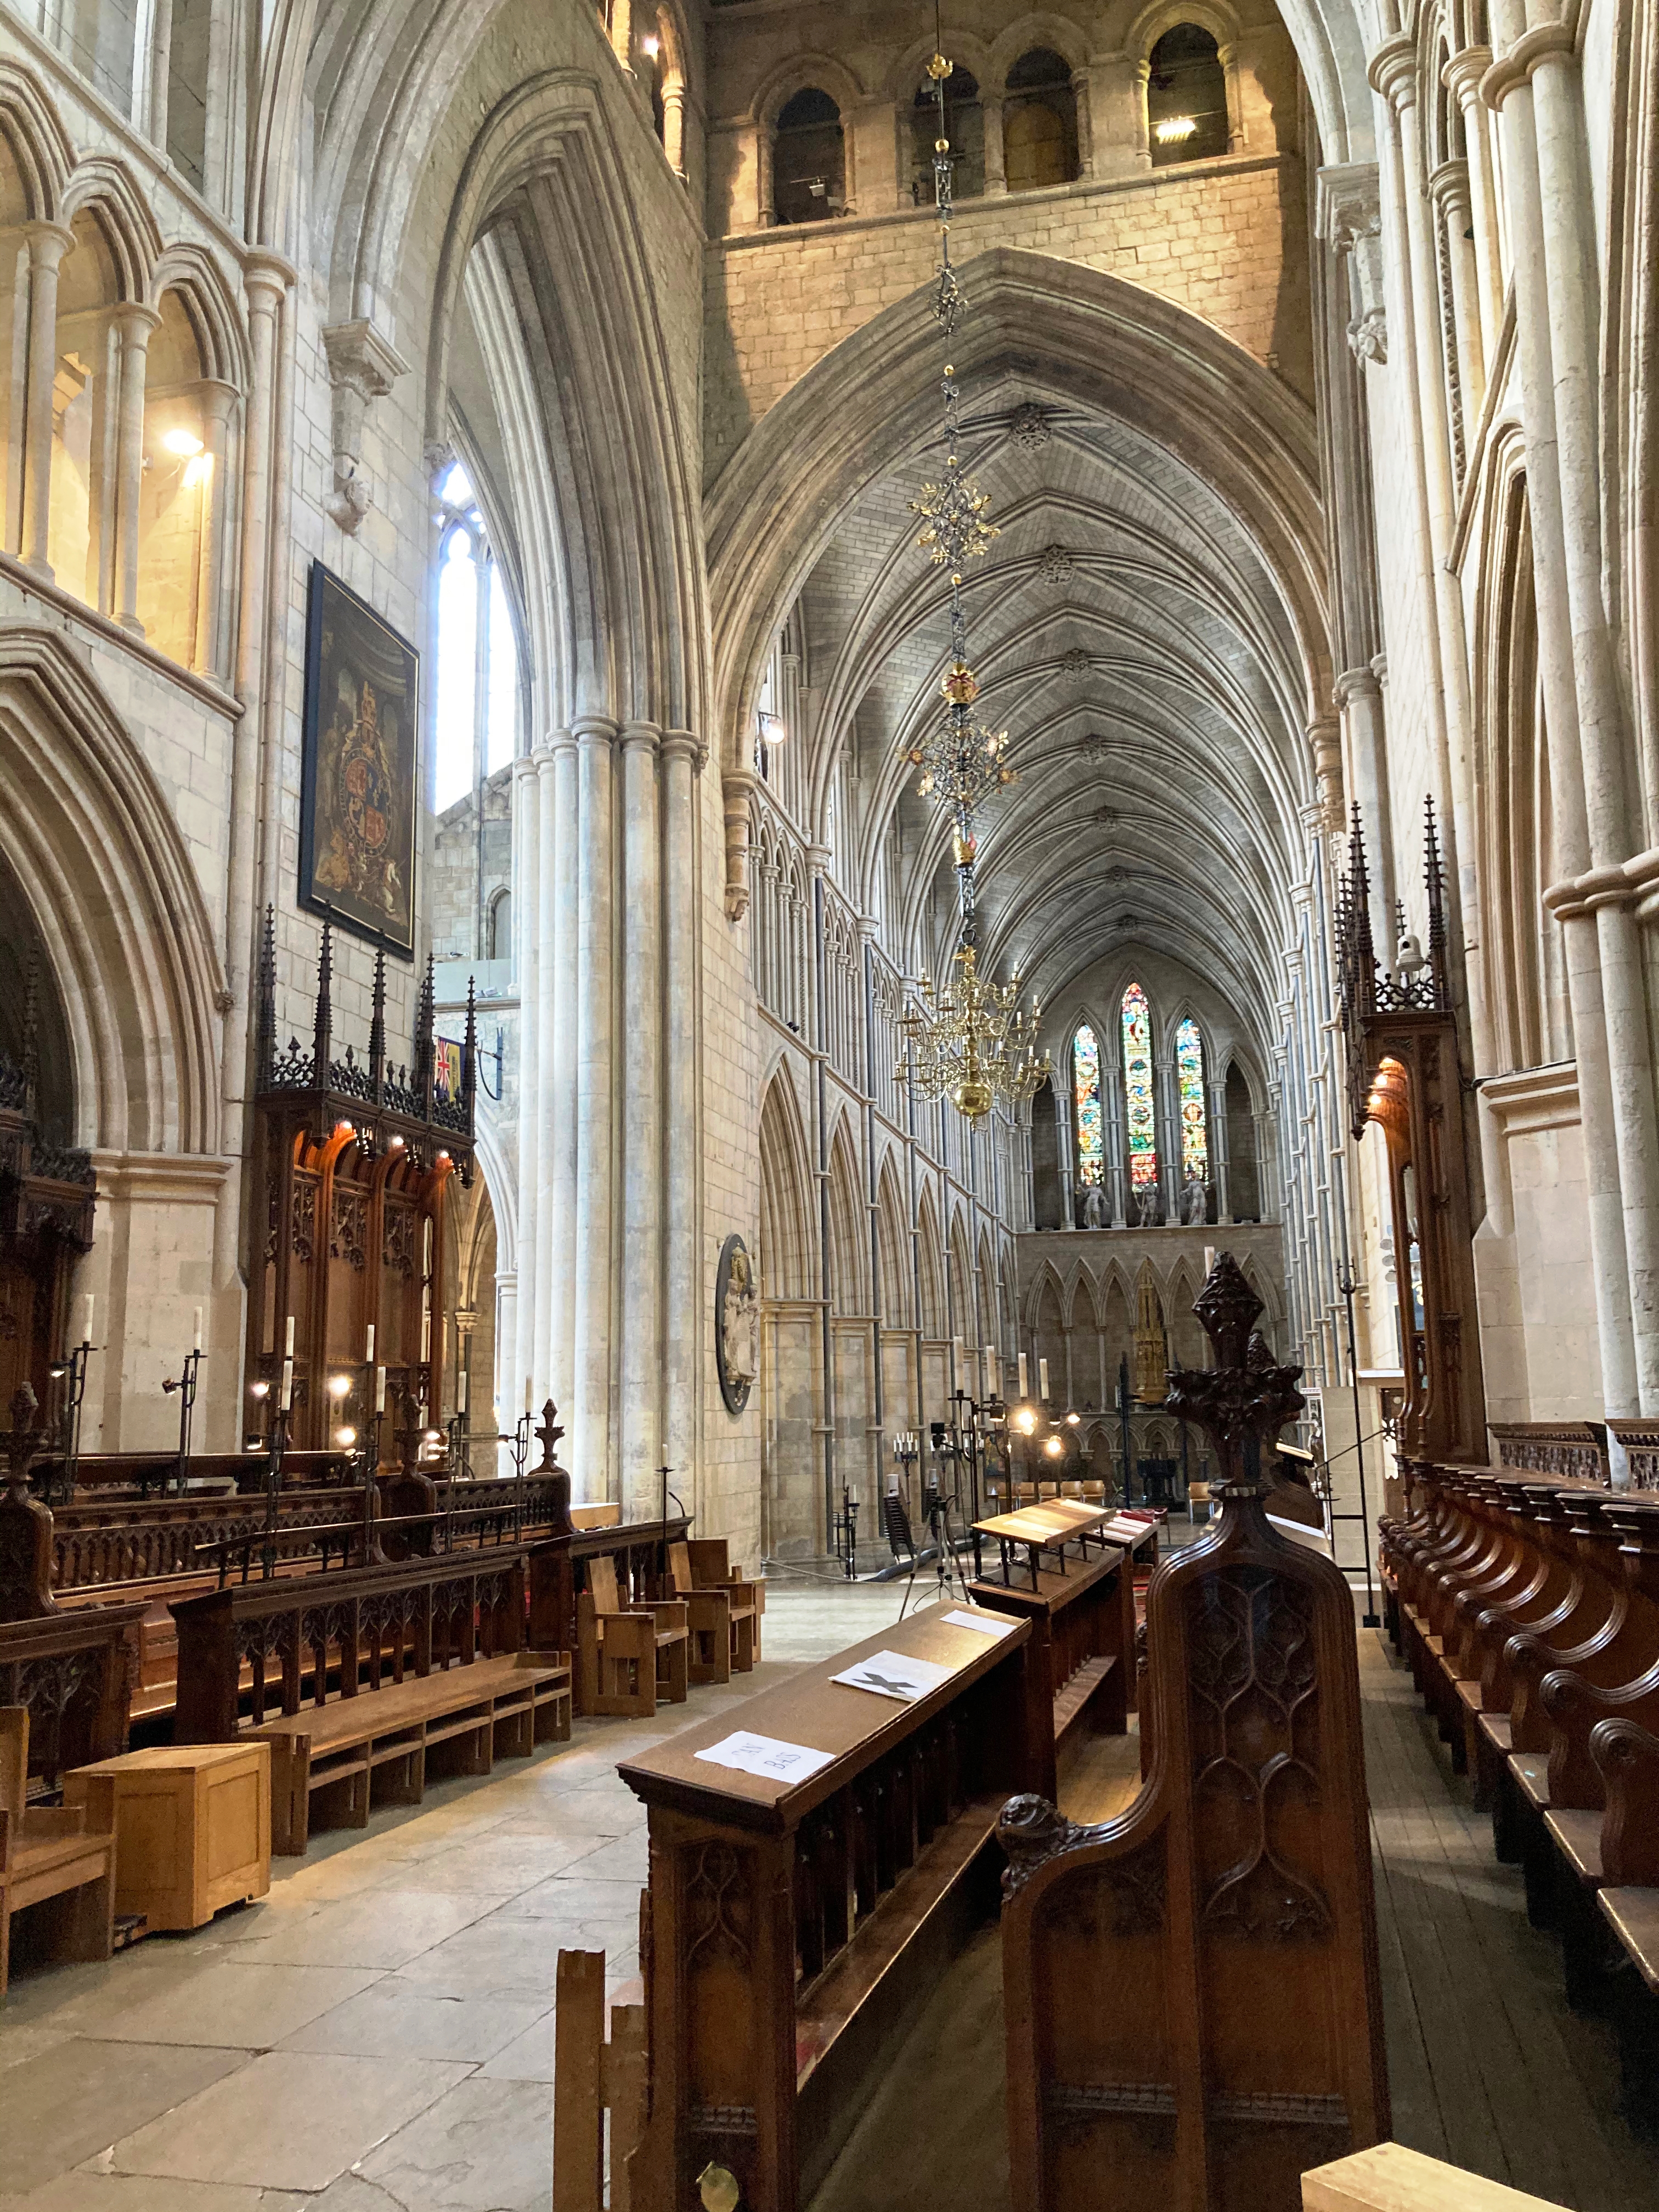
(1225, 239)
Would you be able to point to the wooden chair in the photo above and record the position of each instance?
(49, 1854)
(709, 1616)
(711, 1570)
(1198, 1494)
(629, 1656)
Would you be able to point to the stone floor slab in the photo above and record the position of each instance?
(392, 2020)
(79, 2097)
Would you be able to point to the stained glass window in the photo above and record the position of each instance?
(1142, 1126)
(1189, 1087)
(1086, 1082)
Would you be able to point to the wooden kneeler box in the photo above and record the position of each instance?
(192, 1825)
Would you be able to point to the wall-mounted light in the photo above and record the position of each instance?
(183, 445)
(650, 45)
(773, 728)
(1054, 1448)
(345, 1437)
(259, 1390)
(1174, 128)
(339, 1386)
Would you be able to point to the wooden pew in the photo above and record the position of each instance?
(1388, 2177)
(628, 1656)
(1083, 1644)
(49, 1856)
(74, 1672)
(792, 1925)
(379, 1673)
(1191, 1991)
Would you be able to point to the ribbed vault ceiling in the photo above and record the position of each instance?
(1147, 670)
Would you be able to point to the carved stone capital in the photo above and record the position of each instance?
(1350, 218)
(361, 367)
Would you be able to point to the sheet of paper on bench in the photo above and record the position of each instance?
(988, 1624)
(894, 1675)
(766, 1756)
(1119, 1530)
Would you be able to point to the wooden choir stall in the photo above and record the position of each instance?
(1192, 1997)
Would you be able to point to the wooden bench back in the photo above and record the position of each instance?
(13, 1758)
(679, 1569)
(596, 1517)
(602, 1584)
(710, 1566)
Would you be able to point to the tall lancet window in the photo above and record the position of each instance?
(1140, 1122)
(1189, 1092)
(1085, 1086)
(477, 683)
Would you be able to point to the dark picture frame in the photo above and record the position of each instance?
(360, 760)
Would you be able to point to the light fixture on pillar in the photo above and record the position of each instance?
(969, 1041)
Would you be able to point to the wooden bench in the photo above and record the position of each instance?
(802, 1920)
(372, 1669)
(49, 1857)
(74, 1672)
(628, 1656)
(1083, 1641)
(388, 1743)
(1388, 2177)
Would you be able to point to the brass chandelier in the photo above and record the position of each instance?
(969, 1041)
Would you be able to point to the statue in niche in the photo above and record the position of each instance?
(1195, 1202)
(737, 1313)
(1146, 1207)
(1150, 1348)
(1094, 1206)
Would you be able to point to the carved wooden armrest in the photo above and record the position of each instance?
(1628, 1757)
(5, 1839)
(42, 1823)
(628, 1635)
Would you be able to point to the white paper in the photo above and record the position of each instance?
(893, 1675)
(988, 1624)
(766, 1756)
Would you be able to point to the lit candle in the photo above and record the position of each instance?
(529, 1394)
(198, 1328)
(1042, 1380)
(287, 1398)
(86, 1328)
(1022, 1375)
(423, 1412)
(287, 1348)
(1209, 1261)
(368, 1347)
(426, 1336)
(988, 1363)
(460, 1392)
(380, 1390)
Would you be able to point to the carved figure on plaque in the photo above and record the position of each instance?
(736, 1324)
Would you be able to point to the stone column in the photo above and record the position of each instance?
(673, 126)
(640, 1049)
(596, 738)
(996, 174)
(1508, 92)
(1463, 74)
(560, 957)
(539, 1270)
(1169, 1147)
(1358, 698)
(157, 70)
(1228, 57)
(1117, 1147)
(1086, 124)
(1570, 263)
(766, 146)
(48, 243)
(1119, 146)
(218, 404)
(1449, 190)
(682, 764)
(131, 325)
(526, 919)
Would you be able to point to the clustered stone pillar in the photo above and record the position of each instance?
(132, 326)
(606, 840)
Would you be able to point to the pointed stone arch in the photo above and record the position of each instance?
(41, 149)
(848, 1273)
(929, 1269)
(787, 1242)
(98, 855)
(106, 190)
(894, 1246)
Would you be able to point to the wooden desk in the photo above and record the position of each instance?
(1049, 1527)
(869, 1872)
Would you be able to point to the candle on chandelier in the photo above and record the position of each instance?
(369, 1347)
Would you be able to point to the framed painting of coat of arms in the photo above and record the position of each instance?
(360, 750)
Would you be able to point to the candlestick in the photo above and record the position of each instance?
(1022, 1375)
(369, 1347)
(86, 1332)
(380, 1390)
(287, 1347)
(1042, 1380)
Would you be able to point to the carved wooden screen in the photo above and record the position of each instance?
(1193, 2015)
